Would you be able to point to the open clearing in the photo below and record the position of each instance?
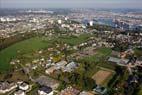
(101, 76)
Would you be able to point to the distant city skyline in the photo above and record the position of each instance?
(71, 4)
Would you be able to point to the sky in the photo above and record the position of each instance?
(71, 4)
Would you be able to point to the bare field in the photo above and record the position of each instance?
(101, 76)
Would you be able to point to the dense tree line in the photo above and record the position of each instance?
(81, 81)
(4, 43)
(100, 27)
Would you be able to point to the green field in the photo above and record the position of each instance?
(23, 47)
(140, 92)
(74, 40)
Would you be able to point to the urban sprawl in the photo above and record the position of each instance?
(70, 52)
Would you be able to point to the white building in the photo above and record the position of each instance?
(19, 92)
(86, 93)
(59, 21)
(24, 86)
(91, 23)
(66, 18)
(2, 19)
(6, 87)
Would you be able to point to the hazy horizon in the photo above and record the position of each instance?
(71, 4)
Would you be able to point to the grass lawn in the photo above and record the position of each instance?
(104, 51)
(74, 40)
(18, 75)
(138, 52)
(140, 92)
(23, 47)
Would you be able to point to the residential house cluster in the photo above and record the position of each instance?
(19, 88)
(62, 65)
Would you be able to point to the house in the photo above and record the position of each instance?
(45, 90)
(60, 65)
(86, 93)
(19, 92)
(49, 63)
(34, 67)
(94, 45)
(100, 90)
(24, 86)
(6, 87)
(50, 70)
(69, 91)
(70, 67)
